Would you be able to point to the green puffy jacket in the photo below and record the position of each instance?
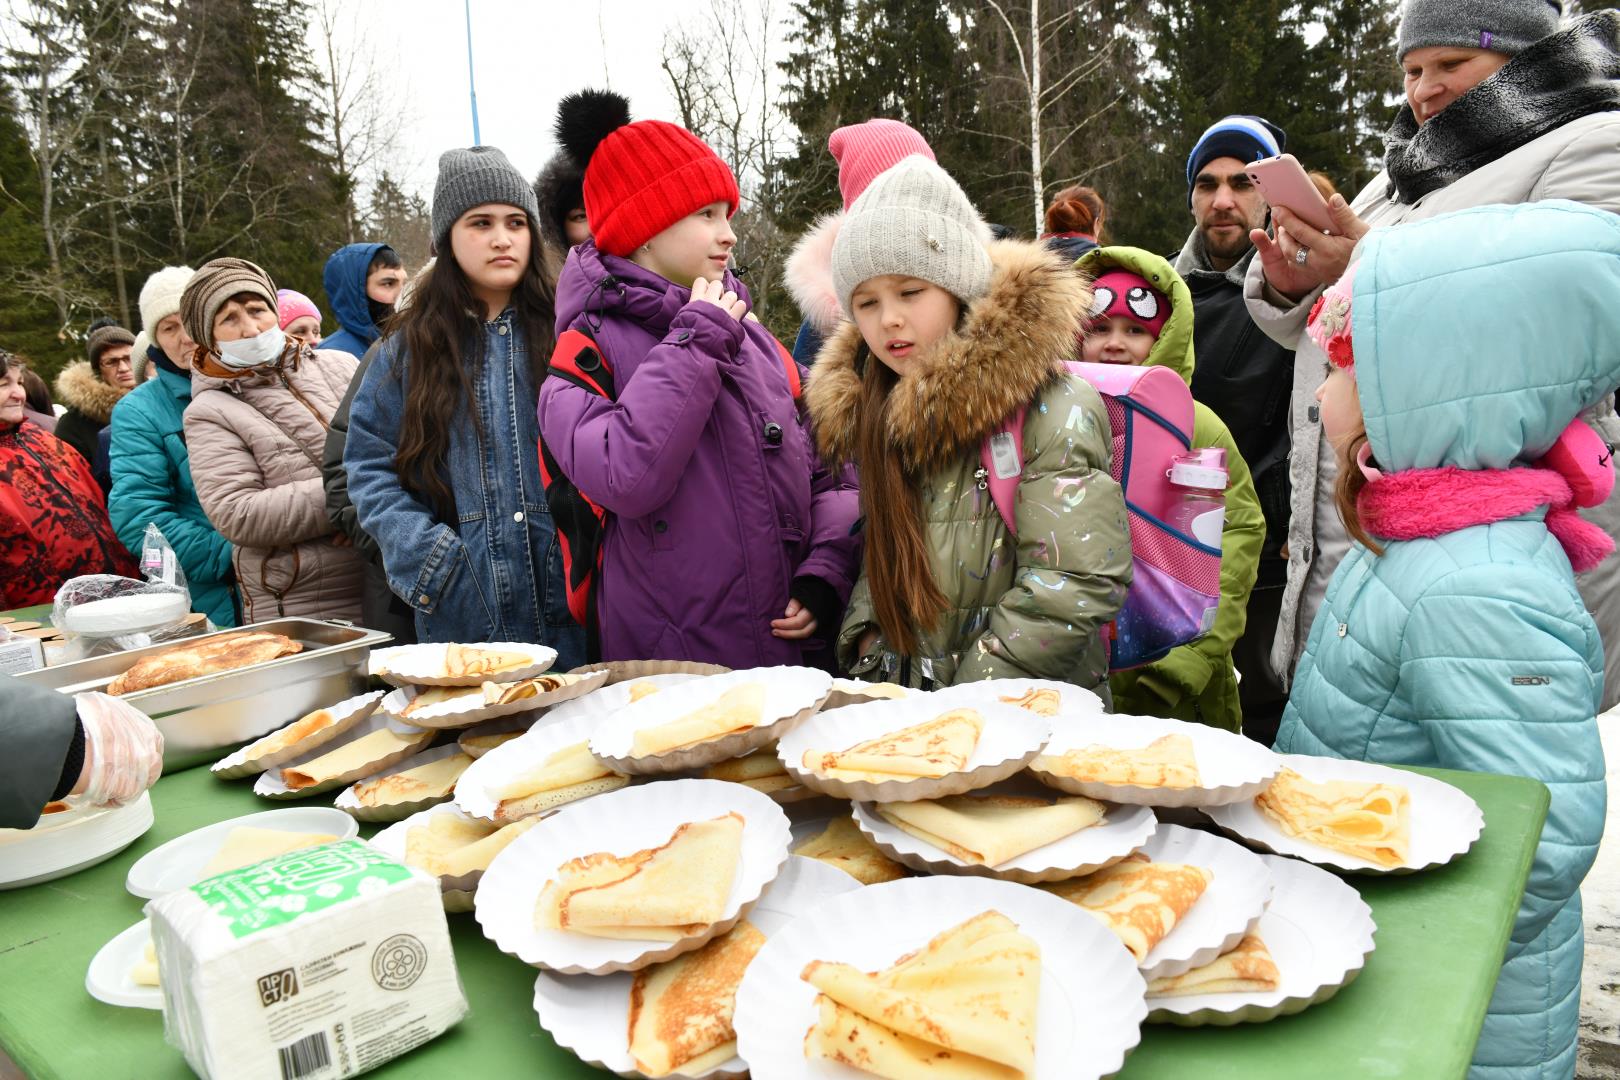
(1026, 606)
(1196, 681)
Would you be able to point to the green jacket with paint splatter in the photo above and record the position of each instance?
(1030, 606)
(1197, 681)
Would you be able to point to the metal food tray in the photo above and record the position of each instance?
(198, 717)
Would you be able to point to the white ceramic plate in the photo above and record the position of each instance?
(1319, 932)
(1122, 830)
(622, 822)
(518, 756)
(109, 976)
(1445, 822)
(179, 863)
(1011, 737)
(1073, 701)
(423, 665)
(1090, 1009)
(345, 715)
(590, 1014)
(791, 694)
(457, 891)
(271, 786)
(1231, 766)
(349, 803)
(471, 710)
(73, 840)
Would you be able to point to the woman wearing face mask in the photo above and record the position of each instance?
(255, 428)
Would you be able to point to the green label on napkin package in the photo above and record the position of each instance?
(288, 887)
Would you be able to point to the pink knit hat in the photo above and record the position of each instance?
(865, 150)
(1121, 292)
(1329, 323)
(292, 305)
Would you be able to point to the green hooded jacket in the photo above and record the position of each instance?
(1197, 681)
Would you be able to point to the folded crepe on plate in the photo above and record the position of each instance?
(295, 732)
(479, 745)
(642, 689)
(761, 770)
(566, 775)
(373, 746)
(246, 845)
(1368, 820)
(145, 971)
(664, 893)
(842, 844)
(1042, 701)
(435, 780)
(497, 693)
(452, 846)
(681, 1010)
(1247, 969)
(993, 829)
(883, 691)
(429, 696)
(1166, 762)
(932, 749)
(742, 708)
(464, 661)
(964, 1005)
(1139, 900)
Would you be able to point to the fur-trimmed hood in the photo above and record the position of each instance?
(561, 182)
(808, 275)
(1011, 344)
(79, 387)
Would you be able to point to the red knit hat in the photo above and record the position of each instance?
(646, 176)
(865, 150)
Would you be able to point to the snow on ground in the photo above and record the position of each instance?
(1600, 982)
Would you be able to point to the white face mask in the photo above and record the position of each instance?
(244, 353)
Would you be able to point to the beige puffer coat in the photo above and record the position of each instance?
(255, 443)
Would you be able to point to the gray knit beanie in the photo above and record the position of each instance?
(473, 177)
(913, 220)
(102, 338)
(1504, 26)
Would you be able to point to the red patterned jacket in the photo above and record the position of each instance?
(53, 519)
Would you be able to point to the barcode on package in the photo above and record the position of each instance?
(305, 1057)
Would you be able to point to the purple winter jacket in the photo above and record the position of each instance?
(719, 508)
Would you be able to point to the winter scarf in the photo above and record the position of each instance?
(1560, 78)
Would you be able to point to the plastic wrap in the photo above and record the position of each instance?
(104, 613)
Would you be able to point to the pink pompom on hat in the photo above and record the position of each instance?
(865, 150)
(1329, 323)
(1122, 293)
(292, 305)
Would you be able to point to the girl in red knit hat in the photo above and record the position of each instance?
(724, 538)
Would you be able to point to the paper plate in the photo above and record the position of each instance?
(1232, 767)
(1445, 822)
(590, 1014)
(348, 800)
(612, 697)
(1122, 831)
(73, 840)
(1090, 1010)
(859, 692)
(470, 739)
(516, 757)
(470, 710)
(457, 890)
(622, 822)
(271, 786)
(1319, 932)
(108, 978)
(1010, 739)
(1073, 701)
(345, 714)
(179, 863)
(423, 665)
(623, 670)
(791, 695)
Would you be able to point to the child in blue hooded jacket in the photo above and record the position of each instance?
(363, 283)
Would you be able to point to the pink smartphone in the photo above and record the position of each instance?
(1284, 183)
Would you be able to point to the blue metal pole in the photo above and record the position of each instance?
(472, 86)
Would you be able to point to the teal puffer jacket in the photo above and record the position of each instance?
(1477, 337)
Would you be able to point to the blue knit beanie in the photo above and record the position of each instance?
(1247, 138)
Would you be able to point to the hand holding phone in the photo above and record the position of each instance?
(1284, 183)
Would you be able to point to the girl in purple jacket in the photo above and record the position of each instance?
(725, 539)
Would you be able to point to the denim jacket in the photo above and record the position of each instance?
(495, 574)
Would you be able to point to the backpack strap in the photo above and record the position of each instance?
(577, 360)
(794, 377)
(1002, 458)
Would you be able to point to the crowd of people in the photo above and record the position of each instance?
(569, 428)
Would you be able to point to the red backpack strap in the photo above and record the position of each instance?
(577, 360)
(795, 380)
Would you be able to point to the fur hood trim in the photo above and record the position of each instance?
(808, 275)
(79, 387)
(1011, 344)
(561, 180)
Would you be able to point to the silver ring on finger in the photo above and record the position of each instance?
(1301, 255)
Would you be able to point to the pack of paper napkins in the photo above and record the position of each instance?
(316, 964)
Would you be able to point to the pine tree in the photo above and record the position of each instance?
(1360, 40)
(26, 311)
(400, 220)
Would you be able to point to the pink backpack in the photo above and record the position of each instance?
(1176, 581)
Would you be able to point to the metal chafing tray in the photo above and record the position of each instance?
(199, 717)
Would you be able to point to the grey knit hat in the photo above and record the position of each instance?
(102, 338)
(1504, 26)
(916, 221)
(473, 177)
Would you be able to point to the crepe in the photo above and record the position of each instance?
(742, 708)
(1166, 762)
(680, 1011)
(464, 661)
(994, 829)
(479, 745)
(293, 733)
(145, 971)
(1139, 900)
(842, 844)
(435, 780)
(639, 690)
(1247, 969)
(505, 693)
(761, 770)
(246, 845)
(656, 894)
(934, 748)
(566, 775)
(884, 691)
(1370, 821)
(372, 747)
(969, 998)
(451, 846)
(429, 696)
(226, 652)
(1042, 701)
